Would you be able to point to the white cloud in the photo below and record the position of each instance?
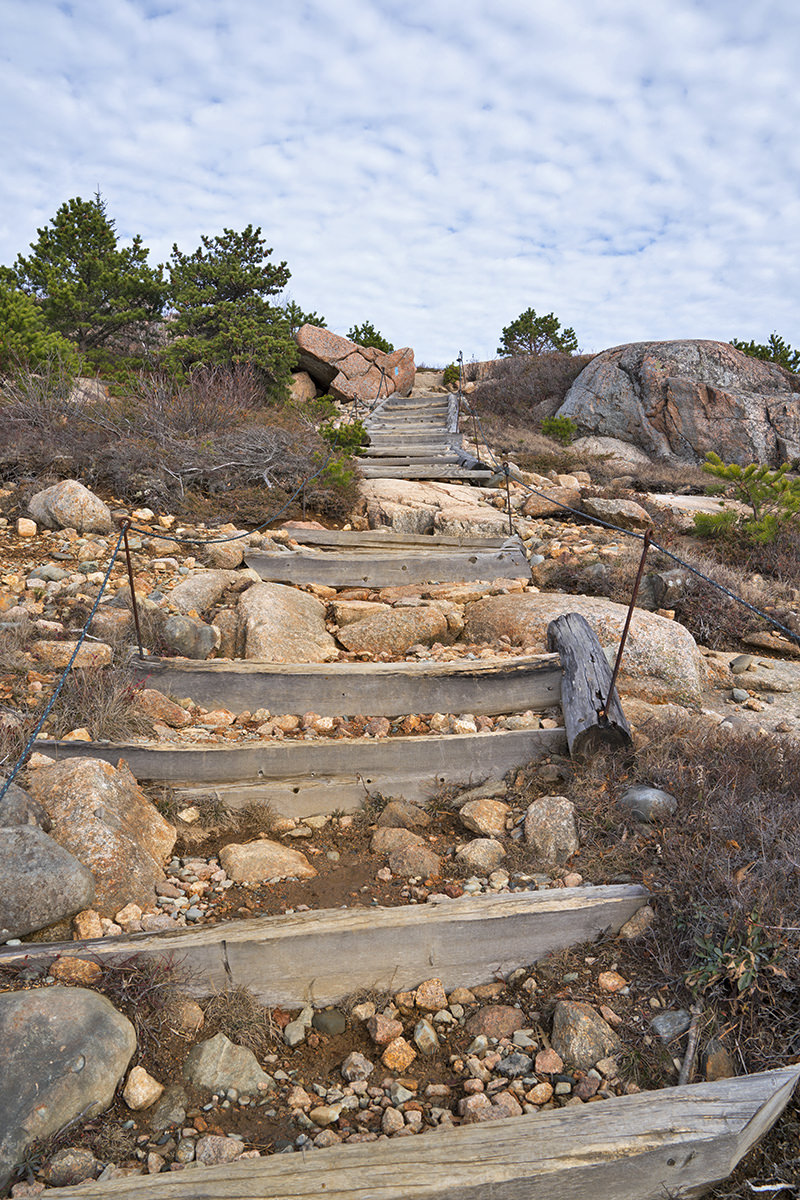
(433, 167)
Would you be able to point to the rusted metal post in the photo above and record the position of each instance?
(623, 639)
(507, 470)
(126, 524)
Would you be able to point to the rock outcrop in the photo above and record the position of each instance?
(681, 399)
(349, 371)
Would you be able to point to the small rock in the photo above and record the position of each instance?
(398, 1055)
(551, 828)
(392, 1121)
(217, 1064)
(329, 1021)
(514, 1065)
(638, 924)
(425, 1038)
(141, 1090)
(70, 1167)
(648, 803)
(496, 1020)
(25, 527)
(481, 855)
(548, 1063)
(672, 1023)
(212, 1149)
(356, 1066)
(540, 1093)
(580, 1035)
(486, 817)
(717, 1062)
(254, 862)
(741, 663)
(383, 1029)
(611, 981)
(430, 996)
(81, 972)
(399, 814)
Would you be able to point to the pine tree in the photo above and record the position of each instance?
(220, 295)
(25, 340)
(87, 287)
(530, 334)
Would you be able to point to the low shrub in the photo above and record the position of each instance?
(532, 386)
(561, 429)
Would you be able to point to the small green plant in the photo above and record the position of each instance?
(450, 375)
(738, 958)
(773, 498)
(349, 438)
(561, 429)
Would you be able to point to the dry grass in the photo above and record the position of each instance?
(725, 872)
(243, 1019)
(145, 990)
(102, 700)
(528, 386)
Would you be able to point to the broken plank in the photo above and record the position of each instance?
(673, 1142)
(484, 687)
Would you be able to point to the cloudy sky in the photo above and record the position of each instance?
(433, 166)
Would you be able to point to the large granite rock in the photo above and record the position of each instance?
(282, 624)
(394, 630)
(65, 1049)
(42, 882)
(661, 661)
(349, 371)
(102, 816)
(450, 509)
(681, 399)
(70, 505)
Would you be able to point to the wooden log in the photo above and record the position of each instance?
(388, 570)
(428, 761)
(350, 689)
(321, 957)
(673, 1142)
(593, 719)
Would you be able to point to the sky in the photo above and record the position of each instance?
(434, 167)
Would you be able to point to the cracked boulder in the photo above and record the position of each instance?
(681, 399)
(349, 371)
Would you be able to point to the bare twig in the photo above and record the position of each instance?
(691, 1045)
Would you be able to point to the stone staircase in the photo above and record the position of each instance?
(415, 437)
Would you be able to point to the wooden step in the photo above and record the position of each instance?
(673, 1142)
(282, 773)
(455, 475)
(461, 942)
(387, 539)
(485, 687)
(377, 570)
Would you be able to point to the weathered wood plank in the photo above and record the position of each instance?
(388, 570)
(321, 957)
(387, 539)
(430, 760)
(674, 1142)
(350, 689)
(444, 475)
(593, 717)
